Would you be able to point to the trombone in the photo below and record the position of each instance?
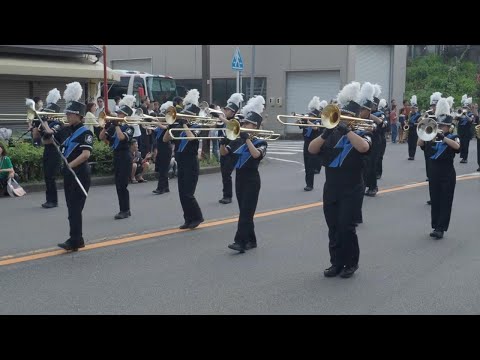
(171, 116)
(232, 131)
(331, 117)
(32, 114)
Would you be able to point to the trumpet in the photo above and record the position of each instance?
(331, 117)
(461, 112)
(232, 131)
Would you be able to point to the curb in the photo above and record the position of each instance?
(107, 180)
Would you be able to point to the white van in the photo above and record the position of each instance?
(157, 87)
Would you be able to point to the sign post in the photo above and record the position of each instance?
(237, 65)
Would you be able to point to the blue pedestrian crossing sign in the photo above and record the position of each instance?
(237, 61)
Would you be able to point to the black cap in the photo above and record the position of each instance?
(376, 100)
(125, 109)
(368, 104)
(444, 119)
(232, 106)
(177, 100)
(314, 112)
(254, 118)
(75, 107)
(52, 107)
(191, 109)
(352, 108)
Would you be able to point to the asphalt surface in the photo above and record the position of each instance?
(402, 270)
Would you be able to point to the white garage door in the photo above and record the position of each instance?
(303, 85)
(144, 65)
(372, 63)
(12, 101)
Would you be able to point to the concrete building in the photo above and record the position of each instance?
(286, 75)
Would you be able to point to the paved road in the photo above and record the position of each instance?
(402, 270)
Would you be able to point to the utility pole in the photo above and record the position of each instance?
(252, 76)
(206, 94)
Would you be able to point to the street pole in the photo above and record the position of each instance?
(252, 75)
(206, 94)
(105, 85)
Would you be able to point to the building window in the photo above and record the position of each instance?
(183, 85)
(222, 89)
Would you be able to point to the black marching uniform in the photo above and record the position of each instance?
(247, 189)
(162, 161)
(186, 155)
(311, 162)
(342, 195)
(122, 164)
(372, 160)
(227, 164)
(78, 138)
(465, 134)
(442, 182)
(382, 147)
(51, 164)
(477, 123)
(413, 120)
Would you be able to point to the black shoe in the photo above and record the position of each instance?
(429, 202)
(194, 224)
(308, 188)
(316, 172)
(184, 226)
(157, 191)
(437, 234)
(463, 161)
(225, 200)
(379, 176)
(478, 169)
(371, 193)
(250, 245)
(332, 271)
(123, 215)
(69, 245)
(49, 205)
(237, 247)
(348, 271)
(411, 158)
(166, 190)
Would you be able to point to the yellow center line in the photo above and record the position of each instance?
(11, 259)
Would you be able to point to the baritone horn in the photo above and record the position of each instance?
(427, 129)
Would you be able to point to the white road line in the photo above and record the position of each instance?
(281, 153)
(291, 161)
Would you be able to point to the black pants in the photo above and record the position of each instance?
(311, 162)
(188, 171)
(227, 164)
(383, 147)
(464, 145)
(162, 163)
(247, 189)
(51, 164)
(122, 165)
(478, 152)
(372, 163)
(76, 200)
(442, 189)
(340, 208)
(426, 155)
(412, 141)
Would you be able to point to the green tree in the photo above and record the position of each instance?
(450, 76)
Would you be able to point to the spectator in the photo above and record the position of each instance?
(394, 122)
(38, 103)
(6, 169)
(100, 106)
(117, 101)
(401, 120)
(91, 118)
(139, 165)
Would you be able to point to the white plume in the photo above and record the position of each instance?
(450, 101)
(236, 98)
(413, 100)
(382, 104)
(442, 107)
(314, 104)
(323, 103)
(255, 104)
(464, 98)
(30, 103)
(53, 96)
(73, 92)
(166, 105)
(191, 98)
(366, 92)
(378, 90)
(468, 101)
(435, 97)
(128, 100)
(349, 92)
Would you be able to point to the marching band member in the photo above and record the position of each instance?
(119, 137)
(227, 162)
(248, 152)
(477, 134)
(341, 150)
(77, 149)
(465, 128)
(315, 107)
(51, 157)
(383, 140)
(371, 160)
(186, 155)
(163, 154)
(442, 176)
(413, 120)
